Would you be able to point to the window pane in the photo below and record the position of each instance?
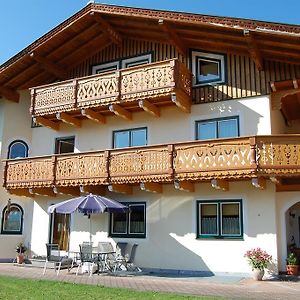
(228, 128)
(17, 150)
(65, 145)
(119, 221)
(231, 219)
(207, 131)
(121, 139)
(12, 220)
(137, 219)
(209, 219)
(208, 70)
(138, 137)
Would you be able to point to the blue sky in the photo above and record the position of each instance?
(23, 21)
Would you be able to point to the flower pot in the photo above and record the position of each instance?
(258, 274)
(20, 258)
(292, 270)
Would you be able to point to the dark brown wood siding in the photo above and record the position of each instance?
(243, 78)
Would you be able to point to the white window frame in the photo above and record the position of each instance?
(136, 60)
(106, 67)
(196, 55)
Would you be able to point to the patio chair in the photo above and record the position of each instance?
(86, 256)
(53, 256)
(108, 256)
(129, 260)
(121, 249)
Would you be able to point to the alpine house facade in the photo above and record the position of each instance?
(191, 120)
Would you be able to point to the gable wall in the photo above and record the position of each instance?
(243, 78)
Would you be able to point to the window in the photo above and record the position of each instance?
(217, 128)
(207, 68)
(136, 61)
(219, 219)
(17, 149)
(123, 63)
(130, 224)
(130, 138)
(12, 219)
(64, 145)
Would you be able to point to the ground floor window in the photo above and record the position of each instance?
(219, 219)
(12, 219)
(130, 224)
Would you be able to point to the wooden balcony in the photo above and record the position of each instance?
(257, 158)
(147, 87)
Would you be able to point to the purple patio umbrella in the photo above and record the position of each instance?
(89, 204)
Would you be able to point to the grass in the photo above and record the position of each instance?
(15, 288)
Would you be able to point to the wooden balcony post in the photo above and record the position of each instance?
(5, 173)
(253, 153)
(54, 167)
(171, 159)
(75, 84)
(32, 106)
(119, 84)
(107, 161)
(174, 71)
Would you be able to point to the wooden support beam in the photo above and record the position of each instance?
(220, 184)
(93, 189)
(173, 37)
(49, 66)
(9, 94)
(68, 119)
(182, 101)
(120, 188)
(20, 192)
(67, 190)
(46, 123)
(186, 186)
(259, 182)
(42, 192)
(92, 115)
(149, 107)
(152, 187)
(107, 29)
(254, 50)
(120, 111)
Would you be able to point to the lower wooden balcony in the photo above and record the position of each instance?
(254, 158)
(147, 87)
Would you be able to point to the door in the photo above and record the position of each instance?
(60, 230)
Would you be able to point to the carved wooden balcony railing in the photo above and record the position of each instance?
(160, 83)
(232, 159)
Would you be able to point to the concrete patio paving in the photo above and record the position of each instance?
(225, 286)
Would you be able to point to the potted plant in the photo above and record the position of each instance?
(20, 249)
(291, 264)
(258, 259)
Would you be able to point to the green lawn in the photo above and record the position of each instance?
(14, 288)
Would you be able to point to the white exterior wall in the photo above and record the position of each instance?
(15, 124)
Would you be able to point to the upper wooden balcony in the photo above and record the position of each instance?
(146, 87)
(254, 158)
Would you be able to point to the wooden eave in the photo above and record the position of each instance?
(286, 97)
(71, 41)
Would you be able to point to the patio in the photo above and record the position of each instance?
(226, 286)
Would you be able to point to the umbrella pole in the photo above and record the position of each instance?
(89, 216)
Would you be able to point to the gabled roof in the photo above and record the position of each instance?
(97, 25)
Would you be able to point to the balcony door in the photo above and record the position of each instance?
(60, 230)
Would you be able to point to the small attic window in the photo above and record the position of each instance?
(207, 68)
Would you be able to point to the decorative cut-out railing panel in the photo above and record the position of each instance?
(152, 163)
(81, 169)
(207, 160)
(232, 159)
(29, 172)
(150, 81)
(278, 154)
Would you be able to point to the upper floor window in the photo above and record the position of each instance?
(207, 68)
(130, 138)
(219, 219)
(217, 128)
(64, 145)
(17, 149)
(122, 63)
(12, 219)
(130, 224)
